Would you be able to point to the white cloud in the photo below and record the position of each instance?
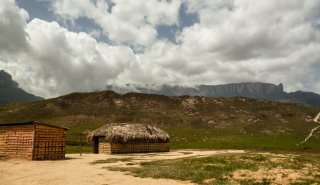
(59, 61)
(246, 40)
(129, 21)
(249, 29)
(12, 23)
(234, 41)
(73, 61)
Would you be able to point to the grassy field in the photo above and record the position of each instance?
(248, 168)
(199, 138)
(204, 138)
(300, 165)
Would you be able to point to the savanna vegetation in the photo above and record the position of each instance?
(247, 168)
(192, 122)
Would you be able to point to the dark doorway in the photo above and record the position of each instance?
(96, 145)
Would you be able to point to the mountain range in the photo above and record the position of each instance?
(192, 121)
(10, 91)
(198, 121)
(256, 90)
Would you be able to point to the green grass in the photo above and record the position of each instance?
(219, 169)
(200, 138)
(71, 149)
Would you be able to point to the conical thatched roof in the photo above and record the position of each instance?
(125, 133)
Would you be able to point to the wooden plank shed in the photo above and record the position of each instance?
(32, 140)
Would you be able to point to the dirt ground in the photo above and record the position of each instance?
(79, 170)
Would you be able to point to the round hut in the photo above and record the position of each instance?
(128, 138)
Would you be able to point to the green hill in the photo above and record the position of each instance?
(192, 122)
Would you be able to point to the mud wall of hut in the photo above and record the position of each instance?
(16, 141)
(49, 143)
(139, 147)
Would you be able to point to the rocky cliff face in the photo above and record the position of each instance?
(256, 90)
(10, 91)
(253, 90)
(6, 80)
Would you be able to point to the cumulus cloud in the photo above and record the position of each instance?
(247, 29)
(12, 27)
(74, 61)
(123, 21)
(259, 41)
(59, 61)
(233, 41)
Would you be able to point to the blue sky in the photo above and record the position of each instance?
(60, 46)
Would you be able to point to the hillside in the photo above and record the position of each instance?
(197, 120)
(255, 90)
(10, 91)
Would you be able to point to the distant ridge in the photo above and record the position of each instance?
(10, 91)
(94, 109)
(256, 90)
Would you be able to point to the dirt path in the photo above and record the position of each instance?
(316, 119)
(313, 130)
(79, 170)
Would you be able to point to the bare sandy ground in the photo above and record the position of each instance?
(79, 170)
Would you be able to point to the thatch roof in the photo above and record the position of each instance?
(126, 133)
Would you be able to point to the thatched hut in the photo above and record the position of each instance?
(129, 138)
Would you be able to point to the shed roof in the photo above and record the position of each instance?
(30, 123)
(126, 132)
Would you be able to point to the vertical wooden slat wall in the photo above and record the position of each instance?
(3, 142)
(139, 147)
(49, 143)
(16, 141)
(104, 146)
